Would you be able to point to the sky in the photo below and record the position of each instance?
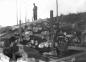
(10, 9)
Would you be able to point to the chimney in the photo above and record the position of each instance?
(51, 14)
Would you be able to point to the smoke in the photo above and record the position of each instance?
(71, 6)
(8, 9)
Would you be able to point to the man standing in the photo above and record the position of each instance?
(35, 12)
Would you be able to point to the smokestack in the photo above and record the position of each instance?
(51, 14)
(34, 12)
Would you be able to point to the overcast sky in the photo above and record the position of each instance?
(8, 9)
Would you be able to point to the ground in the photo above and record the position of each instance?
(81, 58)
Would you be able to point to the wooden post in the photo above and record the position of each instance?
(57, 9)
(20, 30)
(17, 11)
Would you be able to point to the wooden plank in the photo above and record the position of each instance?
(69, 57)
